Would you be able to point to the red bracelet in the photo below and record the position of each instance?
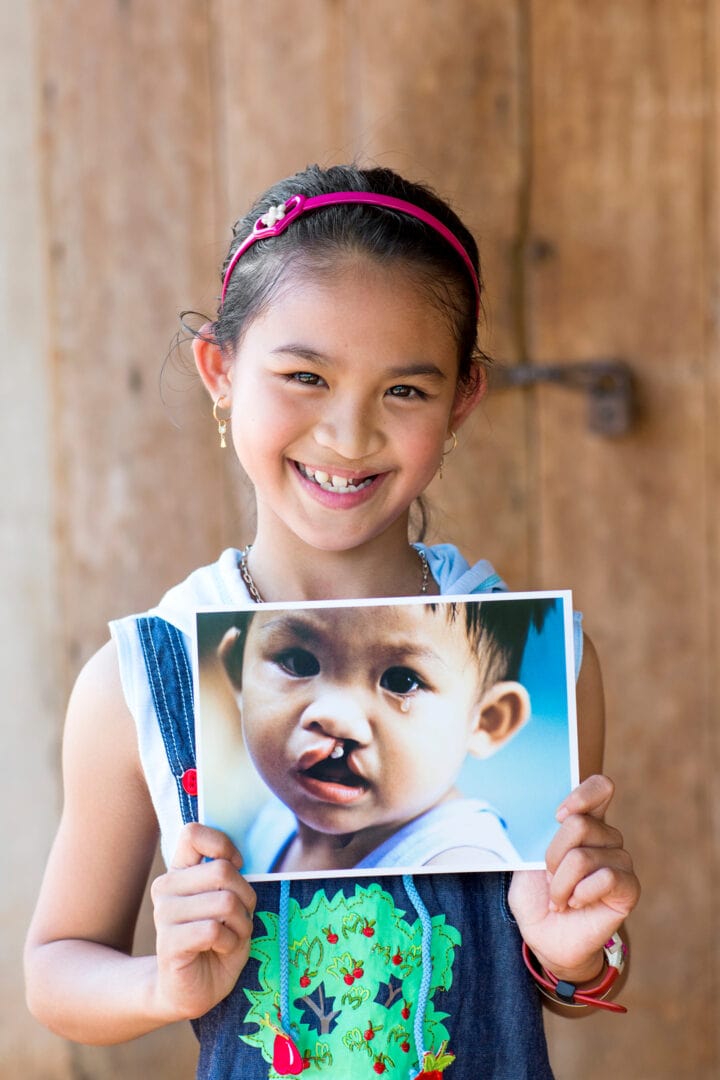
(567, 993)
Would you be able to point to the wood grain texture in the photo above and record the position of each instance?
(618, 270)
(709, 746)
(129, 210)
(30, 792)
(128, 193)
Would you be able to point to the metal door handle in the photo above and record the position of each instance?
(608, 384)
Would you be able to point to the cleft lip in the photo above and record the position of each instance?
(336, 768)
(314, 755)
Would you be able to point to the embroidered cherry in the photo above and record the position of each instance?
(368, 931)
(379, 1067)
(349, 979)
(287, 1060)
(405, 1011)
(397, 959)
(358, 972)
(405, 1047)
(305, 980)
(369, 1034)
(332, 938)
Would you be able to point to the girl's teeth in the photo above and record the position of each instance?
(333, 483)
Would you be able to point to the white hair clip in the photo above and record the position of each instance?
(271, 217)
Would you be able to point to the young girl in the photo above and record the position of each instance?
(344, 360)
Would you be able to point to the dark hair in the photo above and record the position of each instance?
(314, 241)
(498, 631)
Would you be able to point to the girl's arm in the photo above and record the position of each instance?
(567, 913)
(82, 981)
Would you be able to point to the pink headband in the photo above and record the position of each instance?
(277, 218)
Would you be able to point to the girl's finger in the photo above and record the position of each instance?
(202, 879)
(581, 830)
(616, 888)
(198, 842)
(223, 905)
(581, 864)
(593, 797)
(188, 940)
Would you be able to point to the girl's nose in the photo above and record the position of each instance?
(350, 429)
(339, 714)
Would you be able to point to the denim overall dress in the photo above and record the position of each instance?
(359, 977)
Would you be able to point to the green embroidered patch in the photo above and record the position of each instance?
(355, 969)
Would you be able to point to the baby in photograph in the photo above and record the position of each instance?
(359, 721)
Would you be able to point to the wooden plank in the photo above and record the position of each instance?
(127, 162)
(618, 266)
(709, 746)
(283, 105)
(129, 197)
(28, 659)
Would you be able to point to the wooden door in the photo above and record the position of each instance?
(579, 141)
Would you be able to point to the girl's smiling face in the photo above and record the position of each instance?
(359, 718)
(343, 390)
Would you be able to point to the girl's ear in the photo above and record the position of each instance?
(500, 714)
(467, 397)
(213, 363)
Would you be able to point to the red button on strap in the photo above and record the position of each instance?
(189, 781)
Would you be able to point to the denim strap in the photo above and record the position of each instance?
(171, 685)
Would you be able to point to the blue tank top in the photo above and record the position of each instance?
(350, 978)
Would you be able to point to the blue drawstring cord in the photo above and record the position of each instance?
(284, 923)
(426, 953)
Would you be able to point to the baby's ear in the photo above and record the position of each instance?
(499, 715)
(230, 652)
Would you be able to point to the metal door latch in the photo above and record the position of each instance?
(608, 384)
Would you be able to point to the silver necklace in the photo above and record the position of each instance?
(255, 592)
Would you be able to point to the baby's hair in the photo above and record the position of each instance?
(315, 241)
(498, 631)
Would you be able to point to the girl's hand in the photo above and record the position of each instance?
(203, 917)
(567, 913)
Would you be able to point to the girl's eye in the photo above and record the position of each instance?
(307, 378)
(401, 680)
(299, 663)
(403, 391)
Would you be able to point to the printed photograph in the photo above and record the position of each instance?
(433, 734)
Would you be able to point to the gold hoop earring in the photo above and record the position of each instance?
(223, 402)
(446, 453)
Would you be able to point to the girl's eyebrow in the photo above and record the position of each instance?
(399, 371)
(305, 352)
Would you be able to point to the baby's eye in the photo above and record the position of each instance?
(404, 391)
(298, 662)
(401, 680)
